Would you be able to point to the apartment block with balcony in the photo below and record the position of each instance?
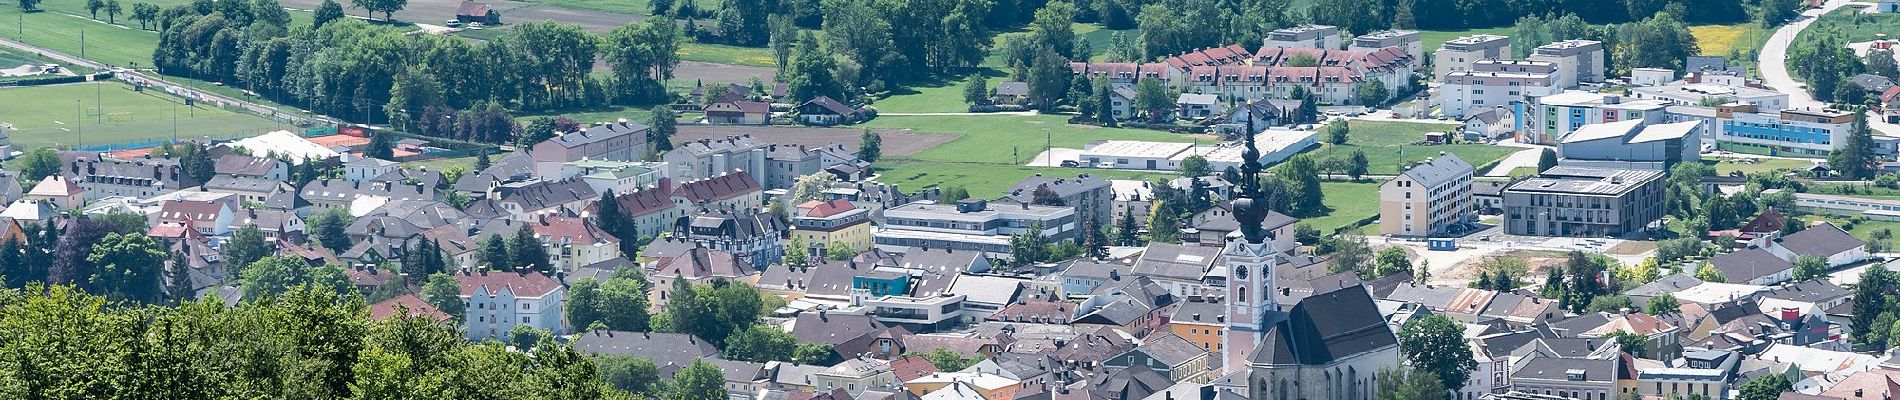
(1431, 198)
(1496, 83)
(1458, 54)
(1408, 40)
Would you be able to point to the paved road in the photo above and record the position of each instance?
(155, 81)
(1774, 67)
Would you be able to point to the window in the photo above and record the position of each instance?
(524, 306)
(526, 320)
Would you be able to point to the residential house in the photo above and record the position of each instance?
(358, 197)
(1823, 240)
(249, 189)
(1200, 321)
(669, 351)
(260, 167)
(528, 201)
(500, 301)
(738, 112)
(699, 266)
(207, 217)
(1181, 269)
(1192, 106)
(1010, 92)
(652, 210)
(820, 224)
(363, 169)
(139, 177)
(58, 191)
(470, 11)
(574, 242)
(750, 234)
(1489, 123)
(1170, 355)
(408, 305)
(823, 110)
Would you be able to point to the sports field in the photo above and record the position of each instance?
(111, 113)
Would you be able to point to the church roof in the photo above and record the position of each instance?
(1325, 327)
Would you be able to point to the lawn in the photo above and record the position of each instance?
(1863, 230)
(119, 115)
(1855, 26)
(1390, 144)
(1723, 166)
(109, 44)
(724, 54)
(992, 139)
(1349, 201)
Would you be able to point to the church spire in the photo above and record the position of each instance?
(1250, 208)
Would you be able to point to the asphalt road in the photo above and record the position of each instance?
(154, 80)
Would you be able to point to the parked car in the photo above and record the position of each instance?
(1070, 163)
(453, 23)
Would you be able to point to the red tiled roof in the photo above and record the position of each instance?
(417, 307)
(912, 367)
(1890, 94)
(830, 208)
(470, 8)
(719, 187)
(367, 276)
(646, 201)
(571, 230)
(523, 284)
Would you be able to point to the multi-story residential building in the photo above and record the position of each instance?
(856, 375)
(1593, 202)
(1407, 40)
(140, 177)
(1547, 119)
(243, 165)
(1200, 320)
(737, 190)
(1567, 377)
(574, 242)
(819, 224)
(707, 158)
(1304, 36)
(210, 218)
(60, 192)
(529, 200)
(1794, 132)
(1683, 382)
(247, 188)
(1458, 54)
(1090, 195)
(1427, 199)
(653, 210)
(1704, 93)
(1632, 145)
(1230, 72)
(1496, 83)
(1170, 355)
(1577, 61)
(748, 233)
(617, 141)
(334, 194)
(605, 175)
(364, 169)
(500, 301)
(970, 225)
(784, 164)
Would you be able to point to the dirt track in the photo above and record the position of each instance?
(896, 143)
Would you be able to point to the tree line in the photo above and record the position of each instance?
(1361, 16)
(377, 74)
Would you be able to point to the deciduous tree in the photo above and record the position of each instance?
(1436, 344)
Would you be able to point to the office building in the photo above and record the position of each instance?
(1706, 93)
(970, 224)
(1584, 202)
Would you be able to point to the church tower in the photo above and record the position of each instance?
(1252, 296)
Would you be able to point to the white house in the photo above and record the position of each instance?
(499, 301)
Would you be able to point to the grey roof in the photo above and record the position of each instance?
(707, 147)
(1437, 170)
(1012, 88)
(1872, 83)
(665, 349)
(1578, 324)
(1176, 261)
(242, 165)
(1135, 382)
(1122, 311)
(1557, 369)
(369, 162)
(1170, 350)
(340, 191)
(1324, 327)
(1503, 344)
(602, 132)
(1430, 296)
(1812, 290)
(547, 194)
(244, 184)
(1749, 264)
(511, 166)
(833, 328)
(1585, 181)
(1823, 239)
(1667, 284)
(1095, 270)
(1064, 187)
(1203, 312)
(1095, 346)
(1706, 63)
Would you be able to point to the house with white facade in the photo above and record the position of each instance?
(500, 301)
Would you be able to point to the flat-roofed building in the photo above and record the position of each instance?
(1593, 202)
(1458, 54)
(1632, 144)
(1793, 132)
(1429, 198)
(1703, 93)
(1129, 154)
(1404, 39)
(1304, 36)
(1577, 61)
(1275, 145)
(1496, 83)
(970, 225)
(1549, 118)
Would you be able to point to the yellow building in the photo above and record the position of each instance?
(1200, 323)
(819, 224)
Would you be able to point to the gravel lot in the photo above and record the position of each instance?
(896, 143)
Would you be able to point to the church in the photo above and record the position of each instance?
(1330, 345)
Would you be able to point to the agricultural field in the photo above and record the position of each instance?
(991, 139)
(1391, 144)
(724, 54)
(113, 113)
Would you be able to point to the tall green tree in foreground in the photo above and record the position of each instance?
(1436, 344)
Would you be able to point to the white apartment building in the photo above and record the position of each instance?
(1407, 40)
(706, 158)
(499, 301)
(1549, 118)
(1304, 36)
(1427, 198)
(1458, 54)
(1495, 83)
(1577, 61)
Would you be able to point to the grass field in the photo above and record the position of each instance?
(1723, 166)
(723, 54)
(124, 44)
(1389, 144)
(1350, 202)
(1864, 230)
(47, 116)
(991, 139)
(1855, 27)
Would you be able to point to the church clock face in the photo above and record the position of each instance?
(1240, 272)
